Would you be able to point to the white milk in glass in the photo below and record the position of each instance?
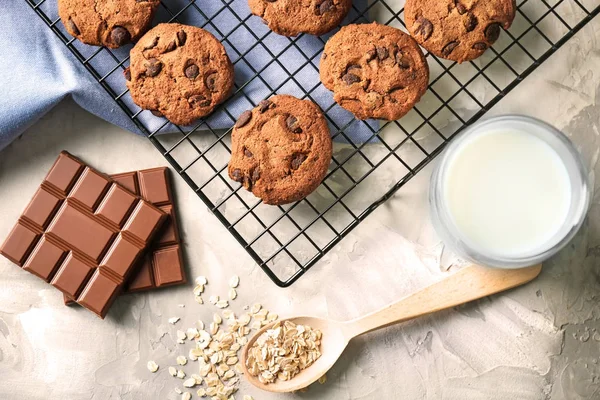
(508, 192)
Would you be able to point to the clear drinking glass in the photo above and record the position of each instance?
(580, 192)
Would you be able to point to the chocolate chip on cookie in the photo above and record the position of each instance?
(374, 71)
(180, 71)
(292, 17)
(111, 24)
(458, 30)
(281, 149)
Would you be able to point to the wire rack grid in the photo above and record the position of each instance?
(371, 161)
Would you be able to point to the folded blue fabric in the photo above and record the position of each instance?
(38, 70)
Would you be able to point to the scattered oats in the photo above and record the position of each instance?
(181, 336)
(203, 339)
(193, 354)
(231, 360)
(197, 351)
(222, 304)
(214, 359)
(283, 351)
(248, 397)
(216, 347)
(197, 378)
(255, 308)
(181, 305)
(323, 379)
(205, 369)
(211, 380)
(272, 317)
(189, 383)
(152, 366)
(201, 280)
(192, 333)
(198, 290)
(178, 391)
(256, 325)
(181, 360)
(229, 374)
(244, 320)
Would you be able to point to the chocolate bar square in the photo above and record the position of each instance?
(162, 263)
(64, 239)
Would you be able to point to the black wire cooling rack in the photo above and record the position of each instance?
(372, 160)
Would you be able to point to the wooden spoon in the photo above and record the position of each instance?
(470, 283)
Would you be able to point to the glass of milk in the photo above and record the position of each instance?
(509, 192)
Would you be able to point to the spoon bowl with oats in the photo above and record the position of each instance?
(290, 354)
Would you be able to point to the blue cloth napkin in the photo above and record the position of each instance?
(37, 70)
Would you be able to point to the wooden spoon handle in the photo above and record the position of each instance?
(470, 283)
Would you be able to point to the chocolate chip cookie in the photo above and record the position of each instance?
(458, 30)
(281, 149)
(181, 72)
(107, 23)
(292, 17)
(374, 71)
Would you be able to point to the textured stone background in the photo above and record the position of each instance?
(541, 341)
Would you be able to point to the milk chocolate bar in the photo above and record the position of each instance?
(83, 233)
(162, 263)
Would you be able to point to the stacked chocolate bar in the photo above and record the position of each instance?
(93, 236)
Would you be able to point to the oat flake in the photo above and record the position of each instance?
(152, 366)
(181, 360)
(201, 280)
